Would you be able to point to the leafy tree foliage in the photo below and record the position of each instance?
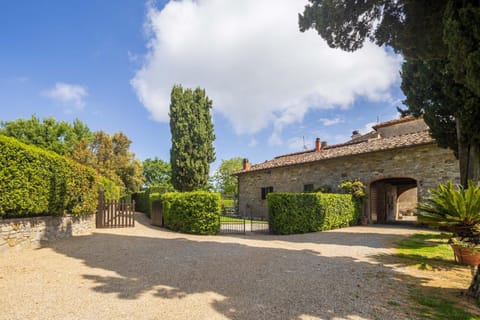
(157, 173)
(111, 157)
(223, 179)
(192, 138)
(441, 76)
(48, 134)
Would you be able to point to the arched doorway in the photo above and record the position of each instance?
(393, 200)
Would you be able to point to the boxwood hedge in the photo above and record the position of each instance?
(195, 212)
(38, 182)
(308, 212)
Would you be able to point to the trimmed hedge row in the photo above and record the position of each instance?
(34, 181)
(309, 212)
(195, 212)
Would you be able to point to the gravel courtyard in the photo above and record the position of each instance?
(151, 273)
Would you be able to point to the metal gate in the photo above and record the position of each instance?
(231, 222)
(115, 213)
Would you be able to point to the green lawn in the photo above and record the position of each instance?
(426, 247)
(429, 249)
(226, 219)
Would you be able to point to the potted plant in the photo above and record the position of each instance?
(457, 210)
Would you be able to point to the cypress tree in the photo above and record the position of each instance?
(192, 138)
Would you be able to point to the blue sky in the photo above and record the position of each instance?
(112, 64)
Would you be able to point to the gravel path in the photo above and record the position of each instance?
(151, 273)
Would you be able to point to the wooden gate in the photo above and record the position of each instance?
(115, 213)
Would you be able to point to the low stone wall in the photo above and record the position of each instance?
(32, 232)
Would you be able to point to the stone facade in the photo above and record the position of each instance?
(427, 164)
(32, 232)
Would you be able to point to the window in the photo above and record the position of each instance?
(308, 187)
(265, 191)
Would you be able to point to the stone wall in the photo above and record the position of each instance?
(428, 164)
(402, 128)
(32, 232)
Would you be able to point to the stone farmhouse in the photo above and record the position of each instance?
(398, 162)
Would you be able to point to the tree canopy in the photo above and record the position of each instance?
(440, 43)
(157, 173)
(192, 138)
(49, 134)
(223, 179)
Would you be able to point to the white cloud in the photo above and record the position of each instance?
(368, 127)
(331, 138)
(69, 95)
(254, 63)
(330, 122)
(298, 144)
(253, 143)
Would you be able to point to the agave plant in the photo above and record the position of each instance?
(457, 209)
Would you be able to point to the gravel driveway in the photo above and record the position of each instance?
(151, 273)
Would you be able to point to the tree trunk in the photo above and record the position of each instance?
(474, 289)
(469, 161)
(468, 156)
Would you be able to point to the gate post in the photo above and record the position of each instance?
(100, 209)
(157, 213)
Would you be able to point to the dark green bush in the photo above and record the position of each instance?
(144, 199)
(339, 210)
(38, 182)
(293, 212)
(308, 212)
(195, 212)
(142, 202)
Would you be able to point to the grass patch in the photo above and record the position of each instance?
(436, 307)
(393, 303)
(426, 247)
(226, 219)
(228, 203)
(430, 252)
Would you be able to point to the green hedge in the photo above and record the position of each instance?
(38, 182)
(309, 212)
(192, 212)
(144, 199)
(142, 202)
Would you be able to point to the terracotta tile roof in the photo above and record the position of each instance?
(353, 147)
(394, 121)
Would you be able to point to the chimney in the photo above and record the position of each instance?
(356, 134)
(246, 164)
(318, 144)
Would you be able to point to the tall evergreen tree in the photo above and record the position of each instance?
(440, 42)
(192, 138)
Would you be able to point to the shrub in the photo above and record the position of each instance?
(293, 212)
(195, 212)
(354, 187)
(455, 208)
(34, 181)
(142, 202)
(339, 210)
(308, 212)
(144, 199)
